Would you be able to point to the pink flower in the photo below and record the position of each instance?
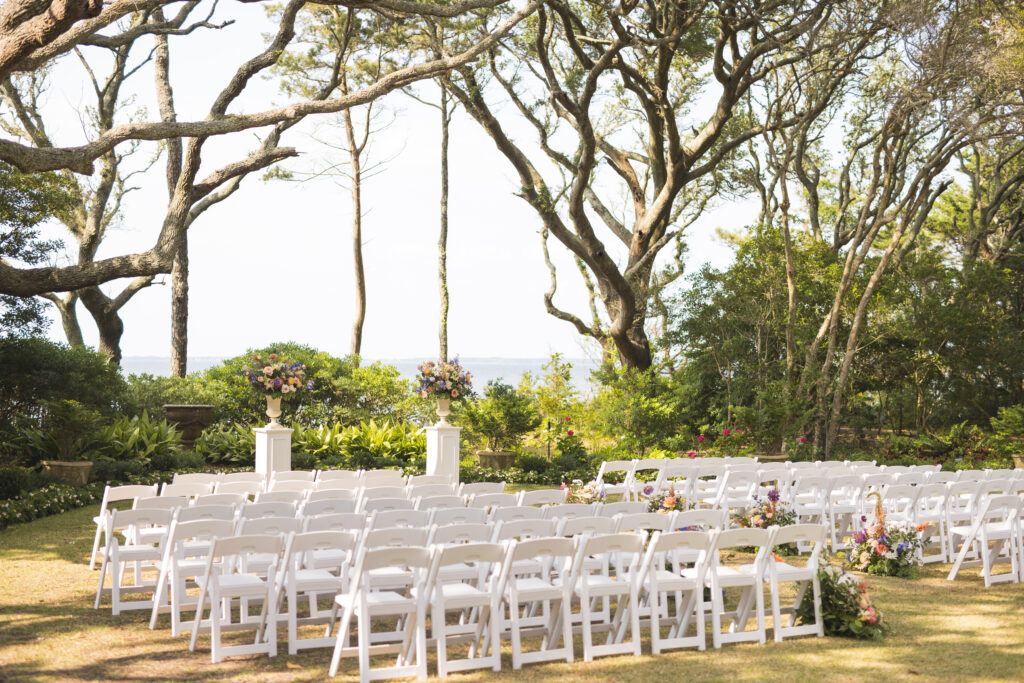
(700, 439)
(267, 370)
(725, 432)
(692, 454)
(423, 394)
(739, 431)
(273, 356)
(803, 439)
(570, 432)
(455, 393)
(566, 418)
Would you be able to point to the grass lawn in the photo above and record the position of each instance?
(49, 631)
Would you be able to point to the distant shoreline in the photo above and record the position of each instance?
(509, 370)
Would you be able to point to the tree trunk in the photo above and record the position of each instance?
(442, 242)
(108, 322)
(179, 309)
(357, 231)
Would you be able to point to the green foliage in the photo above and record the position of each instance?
(37, 371)
(150, 393)
(636, 408)
(155, 444)
(26, 201)
(343, 390)
(503, 416)
(373, 446)
(231, 444)
(14, 481)
(67, 431)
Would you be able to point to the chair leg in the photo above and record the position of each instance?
(216, 606)
(96, 545)
(566, 608)
(363, 624)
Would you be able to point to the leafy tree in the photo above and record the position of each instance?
(27, 201)
(637, 408)
(503, 416)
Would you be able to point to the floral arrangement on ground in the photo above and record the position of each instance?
(766, 512)
(664, 503)
(846, 608)
(578, 492)
(886, 549)
(446, 379)
(276, 377)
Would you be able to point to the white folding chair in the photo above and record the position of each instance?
(439, 502)
(235, 477)
(328, 506)
(737, 491)
(804, 575)
(568, 511)
(243, 488)
(699, 520)
(293, 497)
(531, 585)
(184, 557)
(343, 521)
(292, 485)
(375, 478)
(479, 487)
(748, 578)
(142, 556)
(996, 533)
(585, 526)
(592, 579)
(614, 476)
(643, 470)
(430, 491)
(507, 514)
(844, 508)
(475, 597)
(542, 497)
(625, 507)
(493, 500)
(197, 512)
(677, 478)
(340, 476)
(930, 509)
(227, 576)
(363, 604)
(707, 480)
(113, 494)
(196, 478)
(462, 515)
(292, 475)
(642, 521)
(269, 509)
(190, 490)
(687, 589)
(383, 504)
(235, 499)
(809, 497)
(900, 503)
(382, 519)
(328, 493)
(430, 480)
(300, 577)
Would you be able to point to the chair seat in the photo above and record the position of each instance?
(533, 588)
(241, 584)
(328, 557)
(132, 553)
(993, 530)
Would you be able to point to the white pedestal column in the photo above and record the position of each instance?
(273, 450)
(443, 450)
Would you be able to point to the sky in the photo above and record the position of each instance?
(274, 261)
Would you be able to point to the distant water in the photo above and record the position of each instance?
(510, 370)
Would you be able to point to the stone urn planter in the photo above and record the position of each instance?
(191, 420)
(1018, 460)
(71, 472)
(780, 457)
(499, 460)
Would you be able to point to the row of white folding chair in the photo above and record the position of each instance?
(551, 570)
(992, 536)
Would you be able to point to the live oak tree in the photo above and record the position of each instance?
(68, 35)
(611, 91)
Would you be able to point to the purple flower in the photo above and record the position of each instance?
(773, 495)
(859, 537)
(647, 490)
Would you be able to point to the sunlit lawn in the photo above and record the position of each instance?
(49, 631)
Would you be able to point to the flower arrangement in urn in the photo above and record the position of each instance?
(444, 380)
(275, 377)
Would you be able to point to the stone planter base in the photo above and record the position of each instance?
(781, 457)
(1018, 460)
(67, 472)
(499, 460)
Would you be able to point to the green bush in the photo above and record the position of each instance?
(152, 443)
(503, 416)
(373, 446)
(149, 393)
(66, 430)
(532, 463)
(14, 481)
(232, 444)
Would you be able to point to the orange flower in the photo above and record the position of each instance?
(922, 527)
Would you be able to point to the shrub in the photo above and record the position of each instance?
(503, 416)
(13, 481)
(154, 444)
(232, 444)
(149, 393)
(532, 463)
(372, 446)
(66, 430)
